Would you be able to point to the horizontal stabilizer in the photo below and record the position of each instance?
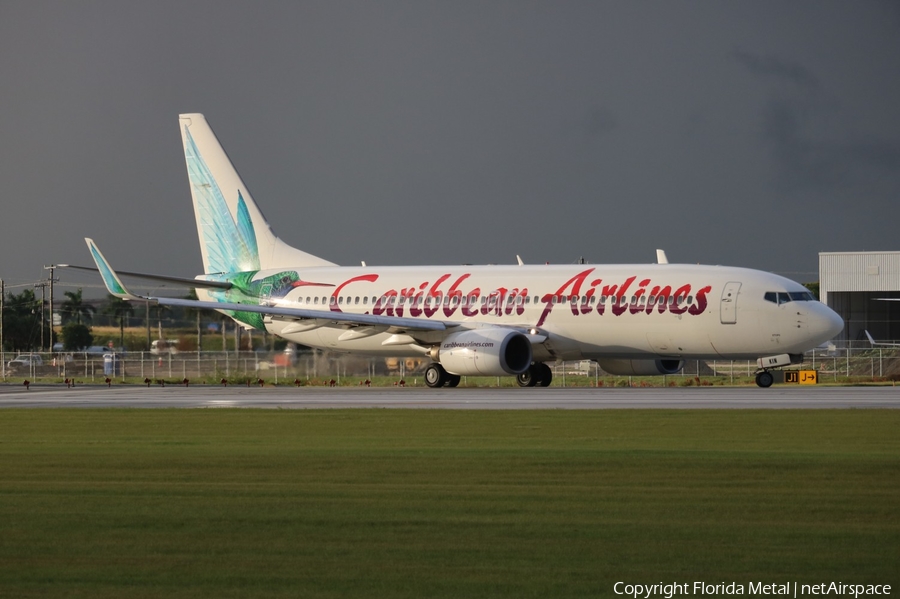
(195, 283)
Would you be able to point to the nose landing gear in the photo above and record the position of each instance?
(764, 379)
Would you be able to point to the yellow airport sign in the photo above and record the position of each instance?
(803, 377)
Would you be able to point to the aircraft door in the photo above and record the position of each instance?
(728, 305)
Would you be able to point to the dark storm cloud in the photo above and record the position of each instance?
(453, 132)
(777, 68)
(600, 121)
(795, 129)
(803, 162)
(799, 162)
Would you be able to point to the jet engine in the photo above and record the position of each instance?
(489, 352)
(640, 367)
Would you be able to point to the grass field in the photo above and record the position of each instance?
(398, 503)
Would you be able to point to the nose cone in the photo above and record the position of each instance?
(824, 323)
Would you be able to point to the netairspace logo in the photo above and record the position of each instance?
(787, 589)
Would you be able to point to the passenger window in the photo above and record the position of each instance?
(317, 301)
(365, 300)
(690, 300)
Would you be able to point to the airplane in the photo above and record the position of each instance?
(495, 320)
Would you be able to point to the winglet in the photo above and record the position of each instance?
(661, 257)
(110, 278)
(871, 339)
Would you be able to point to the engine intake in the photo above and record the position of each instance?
(488, 352)
(640, 367)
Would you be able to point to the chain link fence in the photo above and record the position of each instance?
(853, 363)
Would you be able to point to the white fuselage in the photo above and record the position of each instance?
(586, 311)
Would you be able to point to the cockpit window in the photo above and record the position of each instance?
(802, 296)
(783, 297)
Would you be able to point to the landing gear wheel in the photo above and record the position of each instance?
(544, 374)
(529, 378)
(765, 379)
(453, 380)
(435, 376)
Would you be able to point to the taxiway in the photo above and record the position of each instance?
(122, 396)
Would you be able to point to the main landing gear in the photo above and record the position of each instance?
(538, 374)
(436, 376)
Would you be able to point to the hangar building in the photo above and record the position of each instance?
(852, 283)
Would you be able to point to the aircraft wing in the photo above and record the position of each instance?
(874, 343)
(395, 323)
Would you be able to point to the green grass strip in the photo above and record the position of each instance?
(404, 503)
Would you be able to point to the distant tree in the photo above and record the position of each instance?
(160, 312)
(199, 314)
(76, 336)
(121, 310)
(813, 288)
(22, 322)
(74, 308)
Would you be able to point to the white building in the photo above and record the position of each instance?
(852, 284)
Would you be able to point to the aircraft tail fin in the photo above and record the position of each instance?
(234, 235)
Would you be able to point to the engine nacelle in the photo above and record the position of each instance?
(489, 352)
(640, 367)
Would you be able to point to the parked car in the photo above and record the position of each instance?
(25, 362)
(164, 346)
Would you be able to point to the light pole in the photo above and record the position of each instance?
(43, 286)
(2, 353)
(50, 268)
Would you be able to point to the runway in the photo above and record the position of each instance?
(741, 398)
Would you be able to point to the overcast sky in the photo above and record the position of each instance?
(744, 133)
